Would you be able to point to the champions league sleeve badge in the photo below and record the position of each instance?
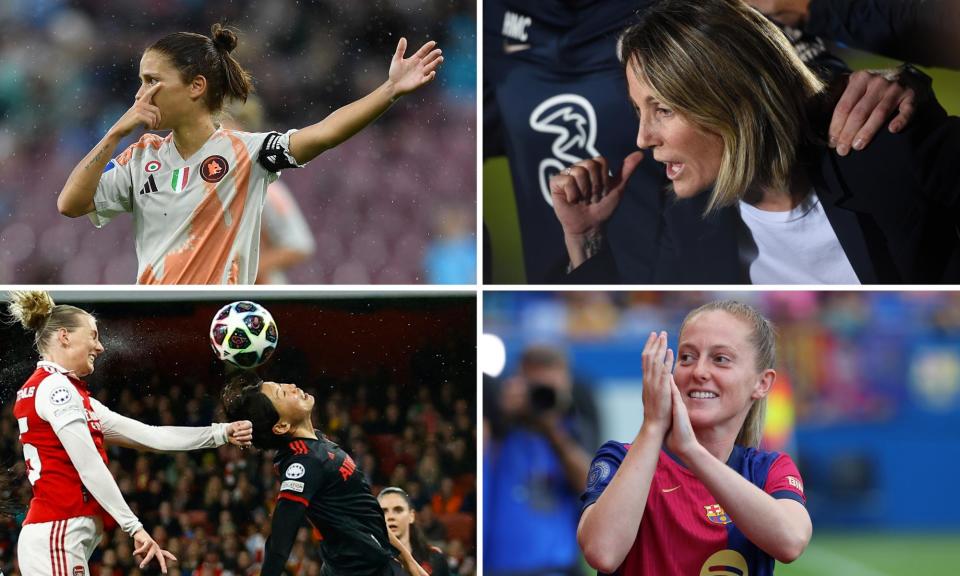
(60, 396)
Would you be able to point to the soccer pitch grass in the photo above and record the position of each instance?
(877, 555)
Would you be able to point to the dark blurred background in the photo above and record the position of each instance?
(394, 378)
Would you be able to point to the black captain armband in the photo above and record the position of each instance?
(273, 156)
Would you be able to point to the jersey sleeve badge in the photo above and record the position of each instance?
(295, 470)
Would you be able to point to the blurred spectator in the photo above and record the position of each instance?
(285, 237)
(535, 467)
(451, 258)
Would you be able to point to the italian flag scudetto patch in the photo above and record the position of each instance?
(179, 179)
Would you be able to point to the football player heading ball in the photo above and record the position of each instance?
(64, 431)
(317, 480)
(693, 475)
(196, 194)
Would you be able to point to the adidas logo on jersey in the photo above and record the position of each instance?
(150, 186)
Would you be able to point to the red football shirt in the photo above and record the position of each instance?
(684, 530)
(51, 399)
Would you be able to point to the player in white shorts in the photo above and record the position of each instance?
(196, 195)
(64, 430)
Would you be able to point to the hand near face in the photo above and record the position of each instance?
(142, 113)
(585, 194)
(869, 99)
(657, 379)
(681, 439)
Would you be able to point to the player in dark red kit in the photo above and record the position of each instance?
(692, 492)
(317, 480)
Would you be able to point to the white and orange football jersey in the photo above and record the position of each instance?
(196, 220)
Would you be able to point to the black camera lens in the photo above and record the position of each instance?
(542, 397)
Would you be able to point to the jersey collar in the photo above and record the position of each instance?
(734, 461)
(60, 369)
(54, 365)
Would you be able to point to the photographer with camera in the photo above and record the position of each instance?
(542, 427)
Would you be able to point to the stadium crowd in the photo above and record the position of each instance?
(379, 206)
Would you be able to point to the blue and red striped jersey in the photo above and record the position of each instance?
(684, 529)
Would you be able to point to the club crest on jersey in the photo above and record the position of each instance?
(716, 515)
(214, 168)
(79, 571)
(295, 470)
(152, 166)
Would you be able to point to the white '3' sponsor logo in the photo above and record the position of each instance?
(572, 118)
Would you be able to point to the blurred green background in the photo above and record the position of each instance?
(500, 212)
(877, 555)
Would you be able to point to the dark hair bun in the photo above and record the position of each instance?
(223, 38)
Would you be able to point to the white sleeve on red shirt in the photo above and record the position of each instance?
(58, 402)
(128, 432)
(96, 477)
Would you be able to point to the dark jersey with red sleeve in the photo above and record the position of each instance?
(321, 481)
(684, 529)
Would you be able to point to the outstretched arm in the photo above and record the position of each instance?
(405, 76)
(122, 431)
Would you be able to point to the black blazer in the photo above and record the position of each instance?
(894, 206)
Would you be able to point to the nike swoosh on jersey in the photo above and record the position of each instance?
(665, 490)
(513, 48)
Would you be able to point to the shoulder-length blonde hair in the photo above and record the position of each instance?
(727, 69)
(763, 337)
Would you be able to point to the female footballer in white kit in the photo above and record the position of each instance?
(63, 430)
(196, 195)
